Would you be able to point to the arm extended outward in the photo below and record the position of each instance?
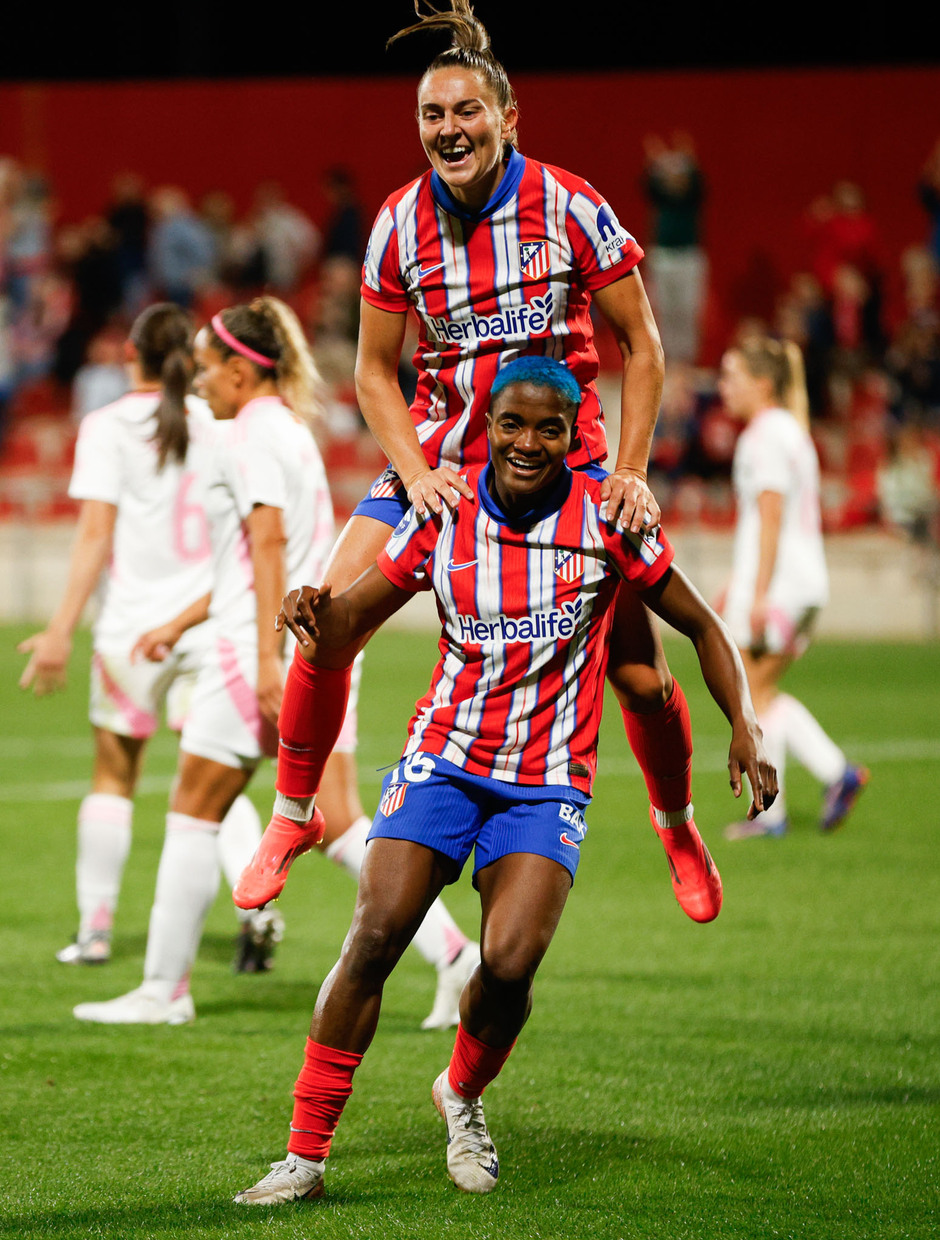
(677, 601)
(340, 626)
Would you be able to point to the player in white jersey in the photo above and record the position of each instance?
(270, 525)
(501, 751)
(779, 580)
(139, 472)
(499, 256)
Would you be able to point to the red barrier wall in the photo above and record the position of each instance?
(768, 142)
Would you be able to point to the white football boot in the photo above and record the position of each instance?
(293, 1179)
(144, 1006)
(471, 1155)
(93, 947)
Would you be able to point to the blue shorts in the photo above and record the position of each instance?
(387, 499)
(429, 801)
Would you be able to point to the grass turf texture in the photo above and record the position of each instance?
(773, 1074)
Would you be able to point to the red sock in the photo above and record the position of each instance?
(311, 717)
(474, 1064)
(322, 1090)
(662, 745)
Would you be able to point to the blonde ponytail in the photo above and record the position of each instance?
(782, 363)
(269, 334)
(795, 396)
(298, 380)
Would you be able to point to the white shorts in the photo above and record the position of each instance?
(225, 724)
(786, 631)
(127, 698)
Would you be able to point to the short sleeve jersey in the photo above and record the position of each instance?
(525, 613)
(775, 453)
(264, 456)
(513, 279)
(160, 561)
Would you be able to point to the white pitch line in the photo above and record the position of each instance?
(709, 760)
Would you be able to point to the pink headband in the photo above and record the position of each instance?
(223, 333)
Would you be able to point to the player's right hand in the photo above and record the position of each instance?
(49, 656)
(435, 489)
(298, 613)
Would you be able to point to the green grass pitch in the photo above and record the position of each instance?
(775, 1074)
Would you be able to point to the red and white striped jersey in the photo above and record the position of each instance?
(515, 278)
(525, 612)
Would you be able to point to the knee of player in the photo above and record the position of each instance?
(640, 688)
(511, 967)
(372, 949)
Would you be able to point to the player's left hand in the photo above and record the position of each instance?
(270, 686)
(629, 499)
(156, 644)
(747, 755)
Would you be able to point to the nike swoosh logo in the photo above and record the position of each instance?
(455, 568)
(564, 839)
(426, 271)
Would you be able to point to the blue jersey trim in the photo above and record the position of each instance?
(507, 187)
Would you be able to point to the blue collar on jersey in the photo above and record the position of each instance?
(547, 501)
(509, 183)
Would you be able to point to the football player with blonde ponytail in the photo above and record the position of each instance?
(779, 579)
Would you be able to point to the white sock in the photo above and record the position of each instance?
(187, 882)
(773, 725)
(104, 840)
(349, 850)
(297, 809)
(439, 939)
(808, 743)
(238, 840)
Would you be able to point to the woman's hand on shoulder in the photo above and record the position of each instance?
(432, 490)
(629, 500)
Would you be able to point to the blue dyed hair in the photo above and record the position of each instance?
(540, 372)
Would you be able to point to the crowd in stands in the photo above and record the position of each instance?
(68, 294)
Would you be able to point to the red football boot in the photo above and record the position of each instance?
(264, 876)
(695, 878)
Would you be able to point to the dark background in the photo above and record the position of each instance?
(198, 38)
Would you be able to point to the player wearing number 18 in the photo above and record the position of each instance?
(501, 752)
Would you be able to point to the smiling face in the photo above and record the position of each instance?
(464, 133)
(529, 428)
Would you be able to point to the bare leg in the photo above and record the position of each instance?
(398, 884)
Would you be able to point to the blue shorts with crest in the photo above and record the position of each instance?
(429, 801)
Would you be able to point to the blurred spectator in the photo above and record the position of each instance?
(239, 262)
(288, 240)
(87, 253)
(103, 377)
(675, 427)
(803, 316)
(907, 489)
(343, 236)
(913, 361)
(129, 220)
(841, 231)
(674, 187)
(929, 191)
(25, 229)
(181, 250)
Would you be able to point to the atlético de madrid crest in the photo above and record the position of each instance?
(569, 565)
(534, 259)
